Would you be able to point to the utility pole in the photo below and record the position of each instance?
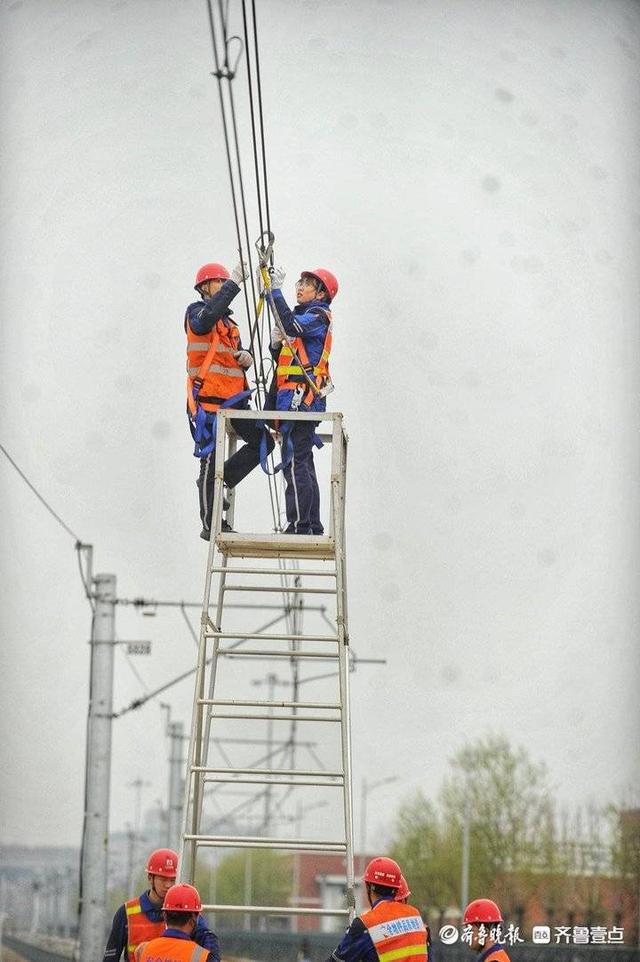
(137, 784)
(35, 917)
(176, 769)
(366, 789)
(3, 907)
(466, 825)
(93, 904)
(271, 682)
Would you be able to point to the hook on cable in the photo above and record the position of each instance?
(265, 251)
(225, 72)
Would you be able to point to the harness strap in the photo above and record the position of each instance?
(203, 424)
(194, 384)
(286, 446)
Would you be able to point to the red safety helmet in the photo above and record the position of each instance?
(403, 891)
(383, 871)
(329, 280)
(164, 861)
(482, 911)
(211, 272)
(182, 898)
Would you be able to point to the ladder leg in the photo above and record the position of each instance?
(212, 675)
(198, 748)
(338, 502)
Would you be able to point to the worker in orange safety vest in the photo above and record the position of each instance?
(485, 921)
(391, 931)
(180, 910)
(301, 345)
(217, 366)
(141, 919)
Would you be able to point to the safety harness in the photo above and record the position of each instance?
(203, 424)
(291, 375)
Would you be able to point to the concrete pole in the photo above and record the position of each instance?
(271, 682)
(466, 825)
(363, 825)
(93, 907)
(176, 769)
(248, 885)
(35, 918)
(295, 885)
(3, 907)
(134, 836)
(131, 841)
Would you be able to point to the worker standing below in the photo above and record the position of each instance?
(391, 931)
(485, 919)
(302, 379)
(176, 944)
(141, 919)
(216, 368)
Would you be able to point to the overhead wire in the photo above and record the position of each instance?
(80, 545)
(221, 73)
(224, 72)
(40, 498)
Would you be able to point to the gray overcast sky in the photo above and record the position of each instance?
(470, 172)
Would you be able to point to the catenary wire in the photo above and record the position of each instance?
(62, 523)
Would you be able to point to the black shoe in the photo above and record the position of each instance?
(205, 534)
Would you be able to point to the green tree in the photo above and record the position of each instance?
(506, 798)
(428, 855)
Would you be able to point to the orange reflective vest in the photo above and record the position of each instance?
(169, 949)
(397, 932)
(139, 927)
(221, 377)
(290, 375)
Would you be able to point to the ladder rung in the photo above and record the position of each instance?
(286, 572)
(302, 773)
(259, 841)
(274, 910)
(280, 589)
(269, 704)
(260, 653)
(268, 844)
(215, 633)
(291, 717)
(269, 781)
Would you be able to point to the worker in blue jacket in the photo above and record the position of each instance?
(141, 918)
(209, 325)
(302, 379)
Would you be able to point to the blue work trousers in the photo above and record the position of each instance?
(302, 494)
(236, 467)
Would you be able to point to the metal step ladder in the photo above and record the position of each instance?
(305, 569)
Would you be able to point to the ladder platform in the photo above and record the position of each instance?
(244, 545)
